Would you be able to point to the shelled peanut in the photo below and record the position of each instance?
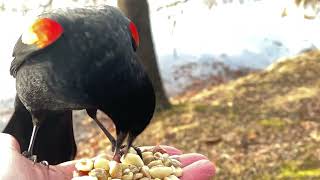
(154, 165)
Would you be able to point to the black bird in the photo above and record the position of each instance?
(55, 142)
(84, 58)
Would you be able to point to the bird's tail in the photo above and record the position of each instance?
(55, 141)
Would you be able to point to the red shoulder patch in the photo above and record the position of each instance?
(134, 34)
(42, 33)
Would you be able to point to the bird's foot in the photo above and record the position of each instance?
(44, 163)
(138, 150)
(116, 157)
(124, 150)
(30, 156)
(33, 158)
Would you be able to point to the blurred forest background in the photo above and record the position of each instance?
(236, 80)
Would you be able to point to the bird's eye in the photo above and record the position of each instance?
(134, 35)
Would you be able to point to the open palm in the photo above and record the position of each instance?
(14, 166)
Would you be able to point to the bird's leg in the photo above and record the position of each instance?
(37, 117)
(36, 124)
(93, 114)
(130, 140)
(29, 154)
(120, 138)
(107, 133)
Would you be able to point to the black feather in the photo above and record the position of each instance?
(55, 142)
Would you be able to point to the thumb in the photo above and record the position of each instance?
(10, 142)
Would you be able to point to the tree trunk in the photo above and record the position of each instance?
(138, 12)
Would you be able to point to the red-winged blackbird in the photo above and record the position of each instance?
(55, 142)
(84, 58)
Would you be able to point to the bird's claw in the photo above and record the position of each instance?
(44, 163)
(138, 150)
(30, 156)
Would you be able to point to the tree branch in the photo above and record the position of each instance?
(172, 4)
(47, 5)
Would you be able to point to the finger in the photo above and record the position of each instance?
(190, 158)
(199, 170)
(169, 149)
(9, 141)
(61, 171)
(68, 167)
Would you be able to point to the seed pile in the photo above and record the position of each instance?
(155, 164)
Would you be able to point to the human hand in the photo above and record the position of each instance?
(15, 166)
(195, 166)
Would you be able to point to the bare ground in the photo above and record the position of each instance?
(262, 126)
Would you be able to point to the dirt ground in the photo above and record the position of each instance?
(262, 126)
